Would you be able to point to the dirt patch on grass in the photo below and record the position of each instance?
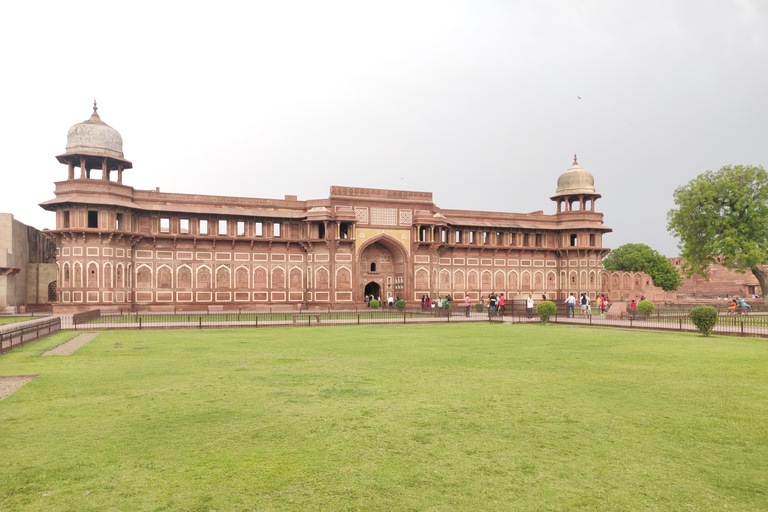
(11, 383)
(68, 347)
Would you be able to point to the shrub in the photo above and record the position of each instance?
(704, 318)
(374, 304)
(546, 309)
(645, 306)
(400, 305)
(479, 307)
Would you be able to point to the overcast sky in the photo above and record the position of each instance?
(482, 103)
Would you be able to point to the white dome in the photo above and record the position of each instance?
(575, 181)
(94, 137)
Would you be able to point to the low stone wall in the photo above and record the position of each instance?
(86, 316)
(18, 334)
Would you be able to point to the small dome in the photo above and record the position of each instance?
(575, 181)
(94, 137)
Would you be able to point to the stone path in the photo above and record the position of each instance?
(10, 384)
(68, 347)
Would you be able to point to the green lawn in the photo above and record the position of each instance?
(426, 417)
(13, 319)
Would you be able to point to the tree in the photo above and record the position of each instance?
(641, 258)
(724, 213)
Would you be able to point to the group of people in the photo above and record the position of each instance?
(585, 305)
(390, 300)
(439, 303)
(740, 303)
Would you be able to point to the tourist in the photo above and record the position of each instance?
(529, 304)
(467, 304)
(571, 304)
(603, 300)
(492, 304)
(367, 301)
(744, 305)
(633, 306)
(502, 302)
(543, 297)
(390, 301)
(584, 302)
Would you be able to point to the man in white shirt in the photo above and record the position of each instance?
(570, 302)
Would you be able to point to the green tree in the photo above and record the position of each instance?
(641, 258)
(724, 213)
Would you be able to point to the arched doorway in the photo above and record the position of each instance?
(374, 290)
(381, 265)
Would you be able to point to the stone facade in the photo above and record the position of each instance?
(27, 265)
(120, 248)
(720, 282)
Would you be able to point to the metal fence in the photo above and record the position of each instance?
(16, 335)
(275, 318)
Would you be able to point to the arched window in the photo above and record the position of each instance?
(373, 266)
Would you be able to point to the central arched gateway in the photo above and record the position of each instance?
(382, 263)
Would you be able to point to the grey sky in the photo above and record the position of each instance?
(477, 101)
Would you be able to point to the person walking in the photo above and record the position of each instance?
(570, 303)
(467, 304)
(390, 301)
(529, 305)
(502, 302)
(584, 302)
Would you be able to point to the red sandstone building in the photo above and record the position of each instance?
(120, 248)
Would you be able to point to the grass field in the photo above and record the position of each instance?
(13, 319)
(433, 417)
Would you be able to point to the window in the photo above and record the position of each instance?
(458, 237)
(573, 240)
(525, 239)
(240, 228)
(119, 222)
(538, 240)
(344, 230)
(321, 230)
(276, 229)
(93, 219)
(65, 219)
(471, 237)
(183, 226)
(592, 240)
(203, 227)
(165, 224)
(259, 229)
(443, 235)
(222, 227)
(373, 266)
(422, 234)
(486, 237)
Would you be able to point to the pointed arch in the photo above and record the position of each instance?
(242, 277)
(203, 277)
(184, 276)
(296, 278)
(164, 276)
(260, 278)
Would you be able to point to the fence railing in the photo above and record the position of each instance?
(16, 335)
(276, 318)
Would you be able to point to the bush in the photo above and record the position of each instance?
(400, 305)
(546, 309)
(704, 318)
(645, 306)
(479, 307)
(374, 304)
